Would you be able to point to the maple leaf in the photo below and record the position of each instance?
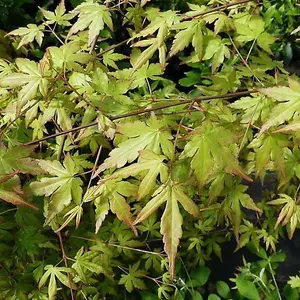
(32, 79)
(148, 161)
(132, 278)
(151, 135)
(191, 31)
(251, 28)
(58, 16)
(88, 261)
(61, 188)
(109, 194)
(231, 207)
(29, 33)
(211, 148)
(171, 221)
(93, 16)
(287, 109)
(289, 214)
(160, 23)
(255, 107)
(216, 49)
(270, 148)
(292, 162)
(223, 22)
(60, 107)
(54, 273)
(11, 192)
(109, 58)
(69, 56)
(17, 159)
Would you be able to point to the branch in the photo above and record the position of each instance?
(143, 111)
(215, 9)
(112, 47)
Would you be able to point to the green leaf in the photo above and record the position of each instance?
(93, 16)
(247, 288)
(284, 111)
(289, 213)
(112, 191)
(151, 135)
(150, 161)
(62, 187)
(223, 289)
(290, 293)
(109, 58)
(294, 282)
(161, 22)
(17, 159)
(199, 277)
(29, 33)
(251, 28)
(171, 220)
(59, 16)
(231, 207)
(32, 79)
(88, 262)
(216, 50)
(55, 273)
(145, 55)
(183, 37)
(270, 148)
(210, 149)
(293, 126)
(255, 108)
(132, 279)
(69, 56)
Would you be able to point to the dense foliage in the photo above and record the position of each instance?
(130, 135)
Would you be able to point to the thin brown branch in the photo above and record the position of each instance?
(64, 257)
(143, 111)
(215, 9)
(112, 47)
(79, 95)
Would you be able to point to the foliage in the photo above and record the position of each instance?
(122, 177)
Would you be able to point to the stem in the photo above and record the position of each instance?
(143, 111)
(77, 93)
(274, 280)
(215, 9)
(53, 32)
(64, 257)
(94, 167)
(112, 47)
(296, 193)
(251, 48)
(244, 62)
(6, 211)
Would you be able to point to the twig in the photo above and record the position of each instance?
(64, 257)
(53, 32)
(244, 61)
(112, 47)
(215, 9)
(139, 112)
(251, 48)
(77, 93)
(93, 44)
